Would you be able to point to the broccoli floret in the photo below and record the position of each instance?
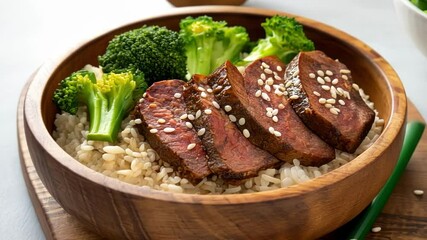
(209, 43)
(284, 38)
(421, 4)
(156, 51)
(109, 99)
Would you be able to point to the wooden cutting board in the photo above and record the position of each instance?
(404, 216)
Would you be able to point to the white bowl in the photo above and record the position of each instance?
(414, 21)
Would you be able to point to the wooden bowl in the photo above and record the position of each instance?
(118, 210)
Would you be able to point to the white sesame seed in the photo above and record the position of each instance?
(294, 97)
(260, 82)
(203, 95)
(327, 79)
(341, 102)
(246, 133)
(183, 116)
(232, 118)
(331, 101)
(267, 88)
(219, 87)
(269, 114)
(275, 111)
(311, 75)
(344, 77)
(161, 120)
(340, 91)
(191, 146)
(242, 121)
(278, 92)
(295, 74)
(279, 68)
(268, 71)
(333, 92)
(288, 84)
(153, 130)
(265, 96)
(277, 77)
(169, 129)
(355, 86)
(271, 130)
(333, 111)
(263, 77)
(337, 109)
(326, 87)
(320, 80)
(329, 72)
(191, 117)
(269, 109)
(201, 89)
(208, 111)
(320, 73)
(152, 105)
(328, 105)
(322, 100)
(345, 71)
(265, 65)
(138, 121)
(269, 81)
(296, 82)
(376, 229)
(275, 119)
(277, 133)
(281, 106)
(227, 108)
(258, 93)
(335, 81)
(419, 192)
(141, 100)
(177, 95)
(316, 93)
(198, 113)
(216, 105)
(188, 124)
(209, 90)
(201, 131)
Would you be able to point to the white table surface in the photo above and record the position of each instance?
(31, 31)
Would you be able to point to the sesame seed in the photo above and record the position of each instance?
(333, 92)
(169, 130)
(331, 101)
(201, 89)
(265, 96)
(376, 229)
(267, 88)
(279, 68)
(242, 121)
(320, 80)
(258, 93)
(328, 105)
(278, 92)
(208, 111)
(316, 93)
(188, 124)
(153, 130)
(161, 120)
(271, 130)
(295, 74)
(344, 77)
(345, 71)
(209, 90)
(322, 100)
(277, 77)
(177, 95)
(355, 86)
(219, 87)
(288, 84)
(263, 77)
(260, 82)
(269, 109)
(203, 95)
(191, 146)
(198, 113)
(275, 111)
(333, 111)
(141, 100)
(419, 192)
(335, 81)
(138, 121)
(340, 91)
(269, 81)
(144, 95)
(183, 116)
(311, 75)
(191, 117)
(201, 131)
(265, 65)
(294, 97)
(232, 118)
(327, 79)
(326, 87)
(341, 102)
(277, 134)
(152, 105)
(227, 108)
(296, 82)
(329, 72)
(269, 114)
(275, 119)
(281, 106)
(216, 105)
(320, 73)
(246, 133)
(268, 71)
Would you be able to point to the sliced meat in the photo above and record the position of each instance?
(231, 155)
(161, 111)
(269, 120)
(323, 94)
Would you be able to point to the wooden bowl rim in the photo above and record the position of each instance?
(33, 117)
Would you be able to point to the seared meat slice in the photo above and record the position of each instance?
(231, 155)
(161, 112)
(323, 94)
(269, 120)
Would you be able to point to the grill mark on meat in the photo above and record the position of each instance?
(328, 101)
(231, 155)
(160, 111)
(287, 138)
